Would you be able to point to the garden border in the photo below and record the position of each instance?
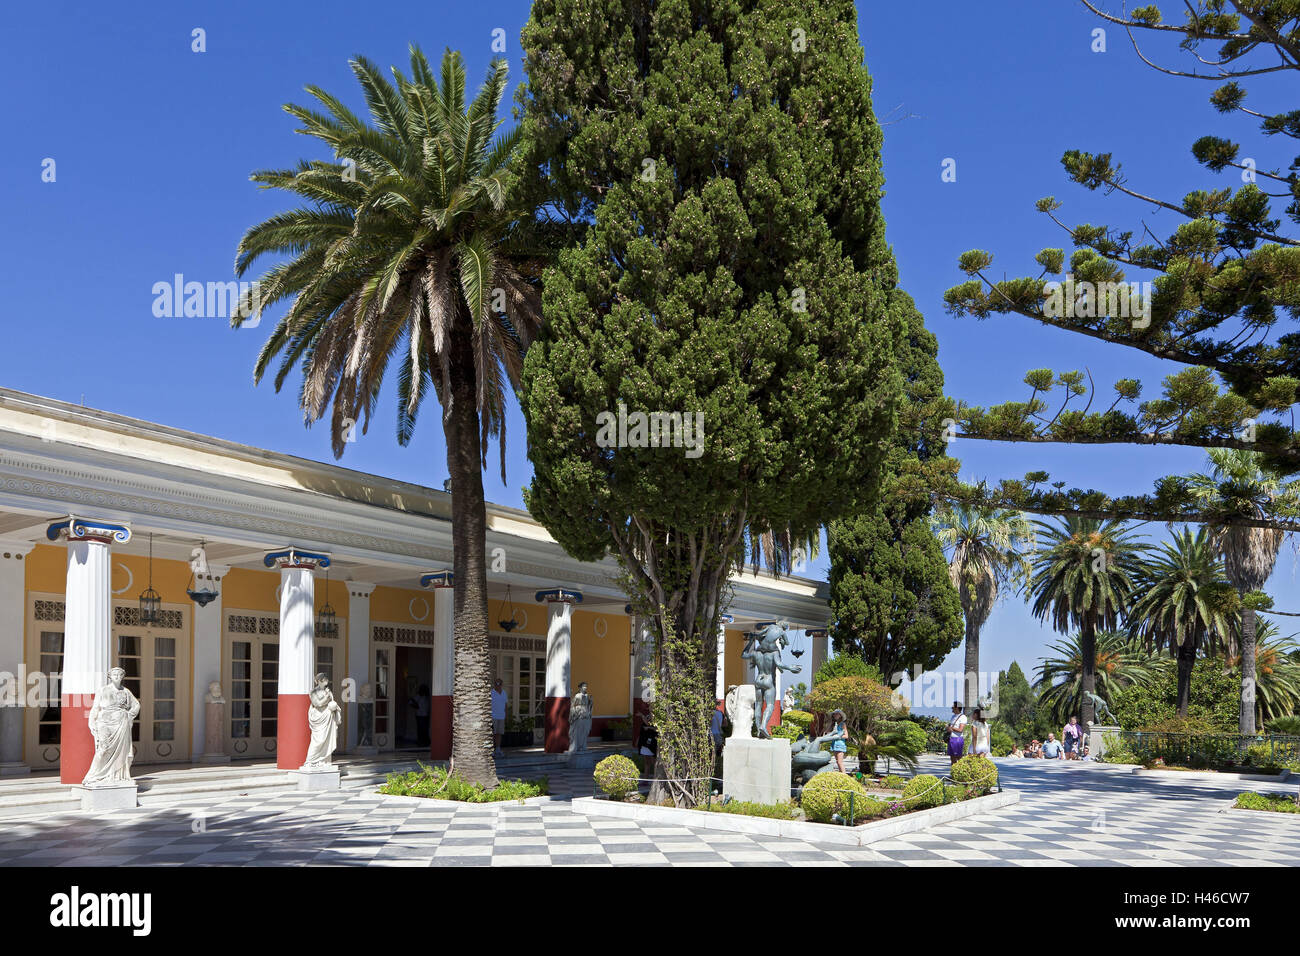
(867, 833)
(1213, 775)
(438, 801)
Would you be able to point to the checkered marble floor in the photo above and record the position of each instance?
(1069, 815)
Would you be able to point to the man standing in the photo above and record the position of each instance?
(956, 733)
(499, 703)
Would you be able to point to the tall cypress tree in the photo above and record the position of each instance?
(892, 599)
(726, 159)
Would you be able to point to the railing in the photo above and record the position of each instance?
(1212, 750)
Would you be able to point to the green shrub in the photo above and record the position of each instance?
(1289, 726)
(911, 738)
(828, 794)
(955, 794)
(436, 783)
(617, 776)
(1277, 802)
(922, 791)
(1000, 739)
(787, 730)
(800, 718)
(1265, 757)
(1117, 752)
(776, 811)
(894, 782)
(975, 771)
(1213, 707)
(846, 665)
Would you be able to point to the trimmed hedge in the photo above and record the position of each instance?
(922, 791)
(617, 776)
(828, 794)
(977, 771)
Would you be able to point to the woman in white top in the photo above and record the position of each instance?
(980, 734)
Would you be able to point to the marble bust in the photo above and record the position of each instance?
(214, 695)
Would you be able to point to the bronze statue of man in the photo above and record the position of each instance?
(766, 657)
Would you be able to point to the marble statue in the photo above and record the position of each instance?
(807, 759)
(740, 710)
(580, 710)
(365, 716)
(1099, 707)
(323, 717)
(763, 649)
(111, 717)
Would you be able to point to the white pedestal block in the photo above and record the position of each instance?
(215, 758)
(1097, 738)
(317, 778)
(583, 760)
(116, 796)
(14, 769)
(756, 771)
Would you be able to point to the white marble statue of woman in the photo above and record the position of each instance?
(111, 717)
(323, 717)
(580, 709)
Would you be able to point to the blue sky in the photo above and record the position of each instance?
(153, 144)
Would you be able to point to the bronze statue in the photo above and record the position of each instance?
(767, 661)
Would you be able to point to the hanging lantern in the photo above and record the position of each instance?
(509, 624)
(327, 624)
(797, 643)
(201, 592)
(150, 602)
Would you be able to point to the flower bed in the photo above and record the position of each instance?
(437, 784)
(1268, 802)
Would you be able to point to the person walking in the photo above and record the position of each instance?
(500, 701)
(956, 733)
(981, 735)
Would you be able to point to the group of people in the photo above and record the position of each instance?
(1071, 746)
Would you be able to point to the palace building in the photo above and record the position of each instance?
(188, 560)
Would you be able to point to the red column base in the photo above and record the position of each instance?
(76, 745)
(557, 725)
(293, 736)
(440, 728)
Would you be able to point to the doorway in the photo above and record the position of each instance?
(411, 697)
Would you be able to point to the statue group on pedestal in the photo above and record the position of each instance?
(763, 649)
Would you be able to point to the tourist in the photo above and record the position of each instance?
(981, 735)
(956, 733)
(1087, 753)
(1052, 749)
(647, 746)
(499, 704)
(1016, 751)
(787, 702)
(840, 736)
(1035, 749)
(715, 731)
(1072, 736)
(421, 705)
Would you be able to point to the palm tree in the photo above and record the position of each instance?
(1185, 603)
(408, 248)
(1238, 486)
(1121, 661)
(1083, 577)
(1278, 673)
(985, 549)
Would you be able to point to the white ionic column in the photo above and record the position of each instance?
(559, 637)
(720, 675)
(297, 651)
(13, 593)
(87, 632)
(817, 642)
(358, 651)
(207, 660)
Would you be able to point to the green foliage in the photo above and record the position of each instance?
(774, 811)
(800, 718)
(1289, 725)
(1121, 660)
(436, 783)
(922, 791)
(1117, 751)
(865, 702)
(976, 772)
(1213, 700)
(617, 776)
(846, 665)
(1275, 802)
(1001, 739)
(733, 270)
(827, 794)
(787, 730)
(893, 782)
(907, 736)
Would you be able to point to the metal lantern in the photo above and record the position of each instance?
(508, 624)
(150, 602)
(327, 624)
(200, 593)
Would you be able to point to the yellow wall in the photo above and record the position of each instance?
(529, 613)
(394, 604)
(603, 662)
(733, 671)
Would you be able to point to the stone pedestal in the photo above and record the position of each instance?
(317, 778)
(1097, 738)
(114, 796)
(366, 750)
(756, 770)
(213, 738)
(581, 760)
(11, 740)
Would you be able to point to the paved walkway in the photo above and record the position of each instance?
(1069, 815)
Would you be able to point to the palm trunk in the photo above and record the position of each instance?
(1246, 724)
(1088, 667)
(471, 739)
(972, 663)
(1186, 661)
